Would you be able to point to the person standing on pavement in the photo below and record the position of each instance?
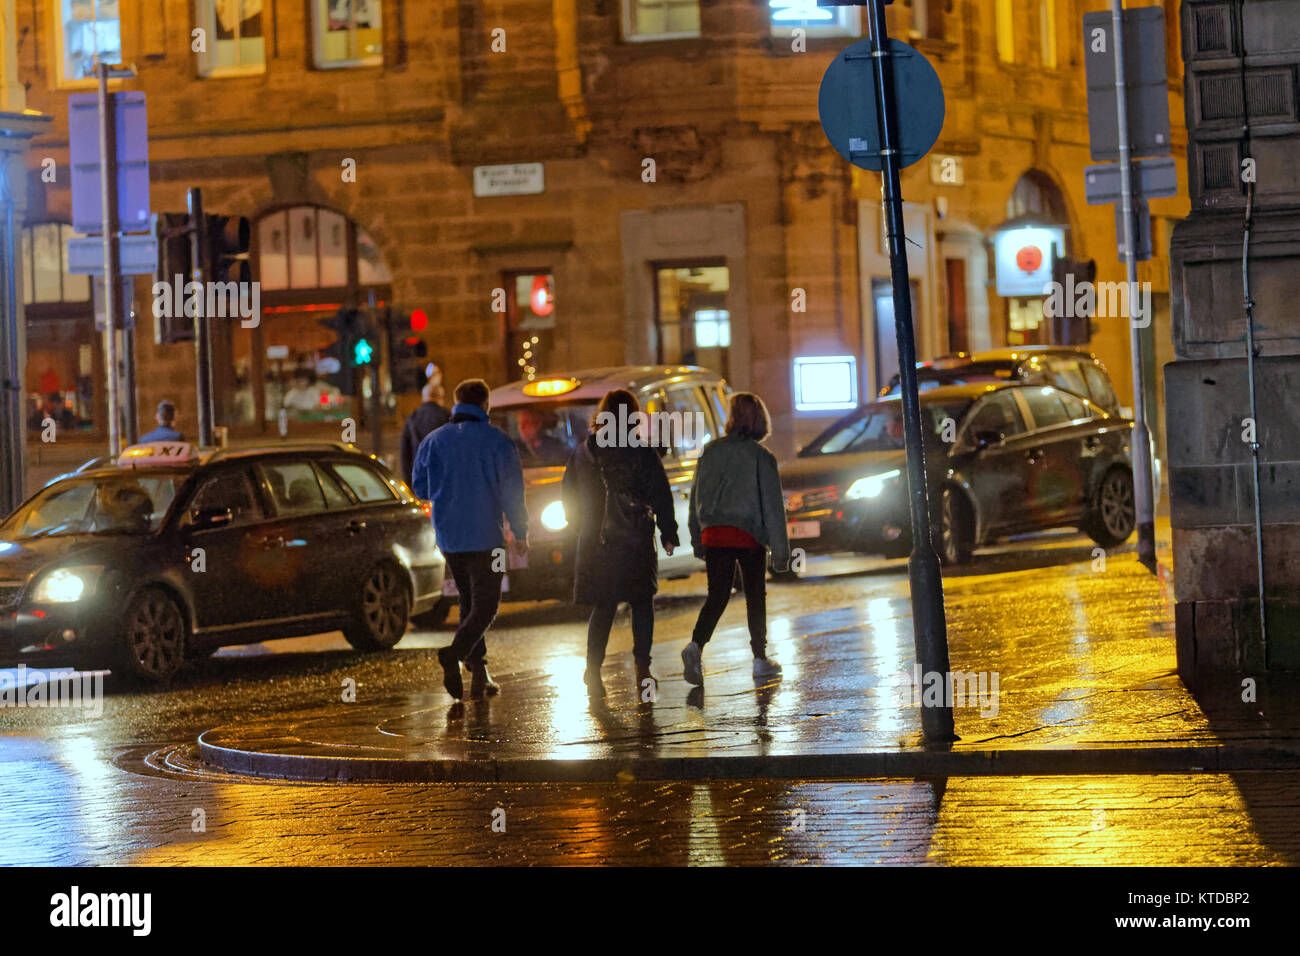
(166, 430)
(615, 491)
(737, 514)
(470, 471)
(428, 416)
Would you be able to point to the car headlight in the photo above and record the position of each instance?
(871, 486)
(66, 585)
(554, 518)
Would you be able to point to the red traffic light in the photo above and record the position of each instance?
(419, 320)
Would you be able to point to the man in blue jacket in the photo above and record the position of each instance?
(470, 470)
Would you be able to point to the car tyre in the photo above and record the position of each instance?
(383, 610)
(956, 528)
(436, 616)
(152, 642)
(1114, 515)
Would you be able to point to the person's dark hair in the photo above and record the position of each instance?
(167, 411)
(611, 402)
(473, 391)
(747, 416)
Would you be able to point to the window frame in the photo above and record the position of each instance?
(630, 37)
(62, 80)
(202, 483)
(205, 15)
(319, 12)
(965, 438)
(359, 502)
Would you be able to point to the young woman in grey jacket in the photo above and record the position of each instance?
(737, 515)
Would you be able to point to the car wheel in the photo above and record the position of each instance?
(1114, 516)
(383, 610)
(436, 616)
(152, 645)
(955, 528)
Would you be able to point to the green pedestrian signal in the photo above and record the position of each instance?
(362, 352)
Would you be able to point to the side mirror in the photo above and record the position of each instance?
(211, 518)
(986, 437)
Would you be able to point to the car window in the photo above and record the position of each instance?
(365, 484)
(686, 425)
(335, 496)
(545, 432)
(996, 412)
(1046, 406)
(294, 488)
(1065, 373)
(232, 490)
(126, 503)
(1099, 387)
(1076, 409)
(718, 397)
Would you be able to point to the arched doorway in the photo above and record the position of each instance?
(310, 262)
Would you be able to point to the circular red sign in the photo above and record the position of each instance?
(1029, 259)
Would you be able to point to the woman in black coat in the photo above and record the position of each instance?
(615, 492)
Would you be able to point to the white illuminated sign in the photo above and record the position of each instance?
(1023, 257)
(825, 383)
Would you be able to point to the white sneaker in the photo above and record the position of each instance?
(691, 664)
(765, 668)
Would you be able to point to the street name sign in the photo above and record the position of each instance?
(1152, 179)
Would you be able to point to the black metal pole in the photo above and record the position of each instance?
(929, 627)
(202, 331)
(112, 258)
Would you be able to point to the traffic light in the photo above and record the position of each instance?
(171, 232)
(351, 348)
(406, 349)
(228, 239)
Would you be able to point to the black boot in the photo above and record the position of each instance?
(451, 673)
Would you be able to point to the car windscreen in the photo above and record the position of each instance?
(545, 433)
(971, 373)
(127, 503)
(879, 427)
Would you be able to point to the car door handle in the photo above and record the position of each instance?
(269, 542)
(1033, 455)
(356, 527)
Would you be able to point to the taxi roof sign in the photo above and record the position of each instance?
(549, 387)
(157, 453)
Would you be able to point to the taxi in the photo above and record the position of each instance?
(548, 417)
(171, 551)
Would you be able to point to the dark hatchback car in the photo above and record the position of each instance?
(1001, 459)
(170, 553)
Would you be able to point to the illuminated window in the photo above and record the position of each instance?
(1006, 32)
(45, 266)
(307, 247)
(693, 324)
(348, 33)
(1047, 27)
(814, 20)
(660, 19)
(234, 37)
(92, 31)
(530, 322)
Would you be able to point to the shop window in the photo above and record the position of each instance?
(307, 248)
(786, 15)
(660, 19)
(348, 33)
(91, 31)
(693, 321)
(235, 43)
(530, 323)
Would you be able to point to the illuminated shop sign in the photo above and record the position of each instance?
(825, 383)
(1023, 258)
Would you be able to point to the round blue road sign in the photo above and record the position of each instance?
(847, 104)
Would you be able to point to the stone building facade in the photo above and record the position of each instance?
(687, 206)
